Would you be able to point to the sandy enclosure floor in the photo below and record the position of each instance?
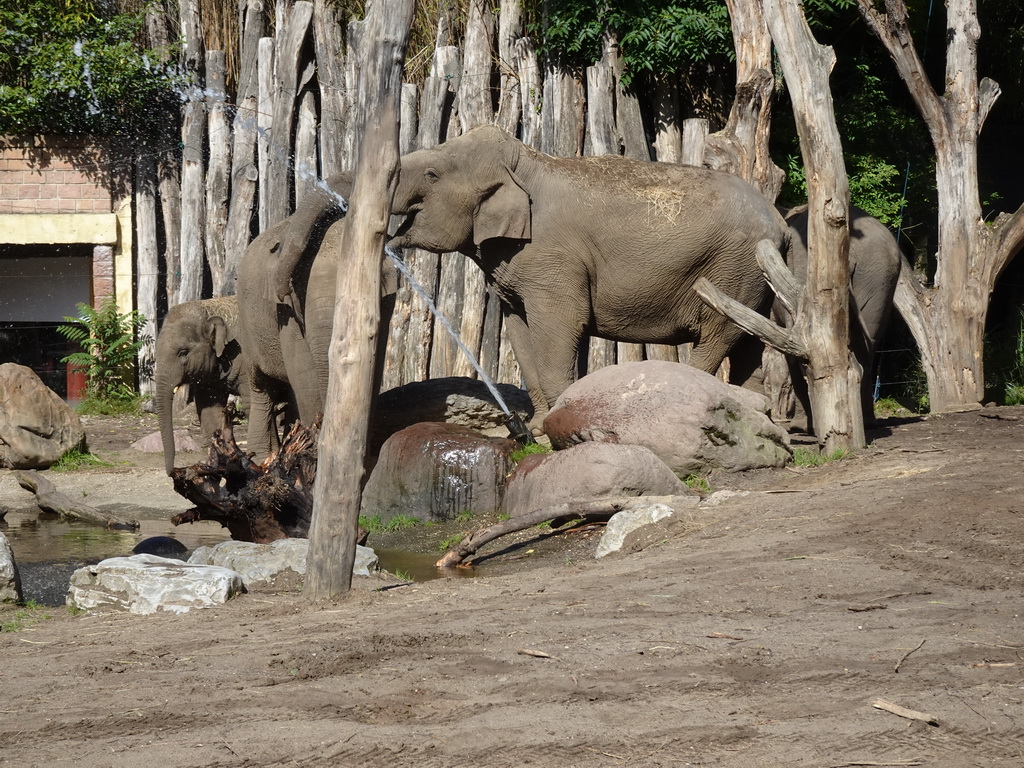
(761, 638)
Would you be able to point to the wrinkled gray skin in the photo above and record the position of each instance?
(286, 288)
(198, 345)
(874, 270)
(604, 246)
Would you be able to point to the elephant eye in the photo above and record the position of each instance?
(431, 175)
(183, 352)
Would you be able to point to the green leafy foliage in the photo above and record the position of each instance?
(882, 146)
(75, 66)
(109, 350)
(654, 35)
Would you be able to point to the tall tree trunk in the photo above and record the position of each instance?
(823, 314)
(343, 439)
(147, 263)
(948, 318)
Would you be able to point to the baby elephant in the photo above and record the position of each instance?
(197, 345)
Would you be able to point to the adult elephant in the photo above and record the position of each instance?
(198, 345)
(604, 246)
(286, 286)
(875, 261)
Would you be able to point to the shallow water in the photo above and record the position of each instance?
(48, 550)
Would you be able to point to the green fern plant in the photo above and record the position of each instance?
(110, 346)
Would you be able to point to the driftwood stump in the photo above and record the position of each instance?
(53, 501)
(255, 502)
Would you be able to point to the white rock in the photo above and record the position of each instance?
(145, 584)
(10, 584)
(623, 523)
(262, 562)
(719, 497)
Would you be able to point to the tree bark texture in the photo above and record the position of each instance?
(948, 318)
(218, 168)
(343, 441)
(822, 317)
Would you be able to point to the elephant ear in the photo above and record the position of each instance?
(217, 333)
(505, 212)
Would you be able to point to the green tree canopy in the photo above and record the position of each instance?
(77, 66)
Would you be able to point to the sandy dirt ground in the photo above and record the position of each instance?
(763, 637)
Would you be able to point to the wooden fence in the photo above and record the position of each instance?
(250, 158)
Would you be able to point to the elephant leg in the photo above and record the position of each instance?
(713, 347)
(546, 347)
(262, 435)
(210, 404)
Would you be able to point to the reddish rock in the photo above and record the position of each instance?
(587, 472)
(693, 421)
(434, 471)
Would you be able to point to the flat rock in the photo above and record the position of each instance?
(267, 563)
(636, 529)
(147, 584)
(449, 399)
(152, 443)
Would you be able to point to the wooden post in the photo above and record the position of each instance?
(148, 263)
(823, 314)
(218, 169)
(243, 150)
(287, 59)
(474, 109)
(266, 52)
(383, 36)
(329, 39)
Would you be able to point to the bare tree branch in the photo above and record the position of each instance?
(750, 321)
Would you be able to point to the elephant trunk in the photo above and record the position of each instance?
(165, 384)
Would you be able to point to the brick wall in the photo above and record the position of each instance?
(46, 174)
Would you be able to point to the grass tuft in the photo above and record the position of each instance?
(76, 459)
(809, 457)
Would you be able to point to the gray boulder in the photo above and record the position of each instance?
(693, 421)
(261, 564)
(435, 471)
(146, 584)
(10, 581)
(586, 472)
(36, 426)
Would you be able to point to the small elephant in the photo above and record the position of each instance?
(604, 245)
(198, 345)
(875, 261)
(287, 280)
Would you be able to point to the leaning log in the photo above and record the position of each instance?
(260, 503)
(591, 511)
(53, 501)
